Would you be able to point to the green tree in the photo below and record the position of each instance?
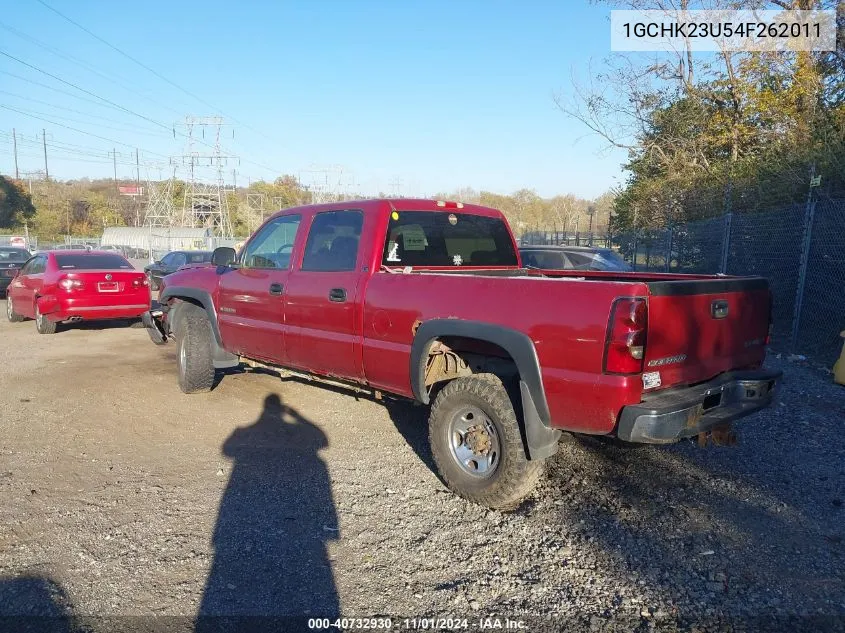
(15, 204)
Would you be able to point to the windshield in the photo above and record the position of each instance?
(425, 238)
(198, 258)
(14, 255)
(92, 262)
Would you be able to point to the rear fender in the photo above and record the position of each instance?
(47, 304)
(539, 438)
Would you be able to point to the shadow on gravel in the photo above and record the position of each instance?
(710, 540)
(275, 518)
(412, 423)
(34, 604)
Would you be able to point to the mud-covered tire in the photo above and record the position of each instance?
(515, 476)
(43, 324)
(11, 315)
(194, 360)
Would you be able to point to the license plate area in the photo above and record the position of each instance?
(108, 286)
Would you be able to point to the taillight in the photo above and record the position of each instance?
(137, 283)
(624, 349)
(70, 284)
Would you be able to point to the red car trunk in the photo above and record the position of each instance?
(103, 287)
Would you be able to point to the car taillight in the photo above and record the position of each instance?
(70, 284)
(137, 283)
(624, 349)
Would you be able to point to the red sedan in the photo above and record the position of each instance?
(59, 286)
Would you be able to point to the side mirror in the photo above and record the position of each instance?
(223, 256)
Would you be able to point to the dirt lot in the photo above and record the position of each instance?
(121, 496)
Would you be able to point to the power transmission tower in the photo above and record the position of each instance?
(395, 186)
(206, 193)
(160, 210)
(255, 210)
(325, 184)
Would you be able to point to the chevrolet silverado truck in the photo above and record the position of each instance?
(428, 300)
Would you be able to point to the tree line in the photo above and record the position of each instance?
(52, 209)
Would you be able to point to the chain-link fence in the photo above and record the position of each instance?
(799, 248)
(560, 238)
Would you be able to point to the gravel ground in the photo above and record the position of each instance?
(120, 496)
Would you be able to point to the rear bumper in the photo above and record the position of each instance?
(62, 309)
(678, 413)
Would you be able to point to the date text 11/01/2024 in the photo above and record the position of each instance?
(419, 624)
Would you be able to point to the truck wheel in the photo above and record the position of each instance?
(477, 444)
(11, 315)
(194, 357)
(43, 324)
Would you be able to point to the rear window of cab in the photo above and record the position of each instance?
(426, 238)
(92, 262)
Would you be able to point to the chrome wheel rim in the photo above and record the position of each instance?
(474, 442)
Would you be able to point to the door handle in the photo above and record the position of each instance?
(276, 289)
(337, 294)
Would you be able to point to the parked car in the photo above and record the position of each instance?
(427, 301)
(69, 286)
(172, 262)
(572, 258)
(11, 261)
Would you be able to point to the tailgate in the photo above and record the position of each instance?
(698, 329)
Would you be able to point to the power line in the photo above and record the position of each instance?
(120, 107)
(58, 53)
(127, 55)
(88, 92)
(262, 134)
(103, 138)
(99, 125)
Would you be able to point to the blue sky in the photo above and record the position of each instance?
(434, 95)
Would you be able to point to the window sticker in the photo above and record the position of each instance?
(393, 253)
(453, 219)
(413, 238)
(457, 260)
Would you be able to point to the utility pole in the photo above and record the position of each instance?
(15, 143)
(114, 163)
(137, 188)
(44, 140)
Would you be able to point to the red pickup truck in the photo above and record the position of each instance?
(428, 300)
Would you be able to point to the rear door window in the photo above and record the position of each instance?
(333, 241)
(425, 238)
(92, 262)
